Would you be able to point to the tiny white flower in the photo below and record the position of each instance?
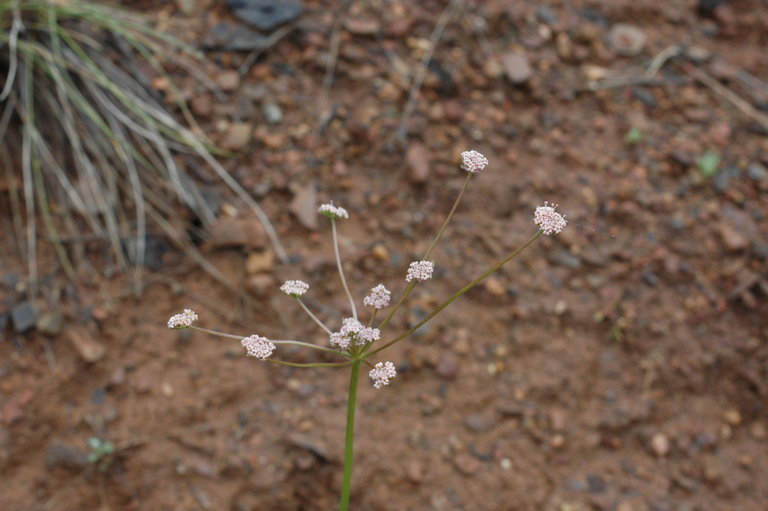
(183, 320)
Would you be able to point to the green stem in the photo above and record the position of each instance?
(349, 438)
(318, 364)
(295, 343)
(457, 294)
(448, 218)
(431, 248)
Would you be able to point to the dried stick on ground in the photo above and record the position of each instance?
(437, 33)
(727, 94)
(330, 66)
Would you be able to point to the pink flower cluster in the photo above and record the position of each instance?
(333, 212)
(378, 297)
(353, 332)
(473, 162)
(294, 288)
(420, 270)
(549, 221)
(183, 320)
(259, 347)
(381, 373)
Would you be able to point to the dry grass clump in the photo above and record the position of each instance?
(90, 150)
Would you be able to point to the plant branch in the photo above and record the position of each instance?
(341, 270)
(457, 294)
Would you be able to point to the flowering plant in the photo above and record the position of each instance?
(356, 343)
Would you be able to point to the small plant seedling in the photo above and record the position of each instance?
(709, 163)
(633, 136)
(101, 453)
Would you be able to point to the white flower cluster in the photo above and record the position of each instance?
(294, 288)
(259, 347)
(183, 320)
(353, 332)
(473, 162)
(381, 373)
(378, 297)
(420, 270)
(333, 212)
(549, 220)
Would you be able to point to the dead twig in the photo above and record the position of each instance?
(330, 66)
(421, 74)
(662, 58)
(630, 81)
(727, 94)
(269, 42)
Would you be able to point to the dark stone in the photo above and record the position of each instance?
(758, 247)
(593, 15)
(645, 97)
(10, 280)
(547, 16)
(707, 7)
(265, 14)
(24, 317)
(479, 422)
(98, 396)
(722, 180)
(65, 456)
(231, 37)
(757, 172)
(155, 248)
(447, 85)
(567, 259)
(650, 278)
(596, 483)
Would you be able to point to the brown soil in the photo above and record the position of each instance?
(622, 365)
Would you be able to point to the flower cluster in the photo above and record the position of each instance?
(420, 270)
(378, 298)
(353, 332)
(549, 221)
(473, 162)
(333, 212)
(183, 320)
(381, 373)
(294, 288)
(259, 347)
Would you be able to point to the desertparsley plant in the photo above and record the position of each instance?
(357, 343)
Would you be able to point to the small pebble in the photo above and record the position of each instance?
(273, 114)
(627, 40)
(24, 317)
(757, 172)
(660, 444)
(732, 417)
(448, 365)
(479, 422)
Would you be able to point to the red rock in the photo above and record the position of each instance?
(89, 349)
(230, 232)
(237, 136)
(362, 26)
(418, 160)
(228, 80)
(201, 105)
(304, 206)
(11, 409)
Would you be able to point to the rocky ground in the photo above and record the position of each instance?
(622, 365)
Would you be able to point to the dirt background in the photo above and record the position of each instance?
(622, 365)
